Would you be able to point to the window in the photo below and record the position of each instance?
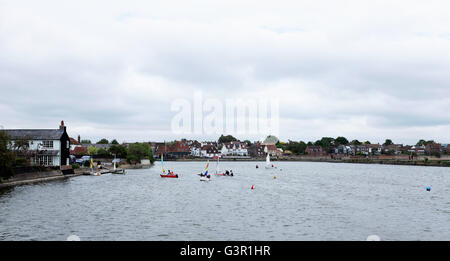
(48, 144)
(68, 144)
(44, 160)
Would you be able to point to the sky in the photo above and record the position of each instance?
(366, 70)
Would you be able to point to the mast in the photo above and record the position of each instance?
(217, 166)
(162, 158)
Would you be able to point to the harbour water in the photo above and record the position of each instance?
(306, 201)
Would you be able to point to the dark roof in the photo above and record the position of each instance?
(36, 134)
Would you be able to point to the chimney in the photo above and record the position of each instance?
(79, 139)
(62, 127)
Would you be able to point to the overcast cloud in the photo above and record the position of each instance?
(366, 70)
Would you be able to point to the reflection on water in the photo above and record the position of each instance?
(306, 201)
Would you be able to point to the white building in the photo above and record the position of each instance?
(234, 148)
(46, 147)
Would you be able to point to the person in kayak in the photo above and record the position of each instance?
(227, 173)
(231, 173)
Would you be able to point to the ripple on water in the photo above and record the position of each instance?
(307, 201)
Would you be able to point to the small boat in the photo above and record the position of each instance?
(218, 173)
(91, 167)
(174, 176)
(116, 170)
(269, 165)
(170, 174)
(205, 176)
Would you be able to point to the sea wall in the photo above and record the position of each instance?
(33, 177)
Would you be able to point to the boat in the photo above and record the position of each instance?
(91, 171)
(269, 165)
(169, 174)
(218, 173)
(205, 176)
(116, 170)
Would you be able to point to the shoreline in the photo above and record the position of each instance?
(424, 163)
(48, 176)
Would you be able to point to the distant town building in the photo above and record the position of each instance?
(74, 143)
(256, 150)
(177, 149)
(272, 149)
(445, 148)
(394, 148)
(47, 147)
(209, 151)
(433, 148)
(418, 150)
(195, 148)
(234, 148)
(314, 151)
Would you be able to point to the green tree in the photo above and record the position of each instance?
(356, 142)
(367, 142)
(7, 157)
(248, 143)
(225, 139)
(388, 142)
(103, 141)
(86, 142)
(295, 147)
(325, 142)
(341, 141)
(119, 151)
(424, 142)
(92, 150)
(21, 149)
(102, 153)
(421, 143)
(138, 151)
(150, 157)
(114, 141)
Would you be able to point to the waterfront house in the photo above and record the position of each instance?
(314, 151)
(406, 149)
(418, 150)
(195, 148)
(179, 149)
(256, 150)
(46, 147)
(433, 148)
(445, 148)
(175, 150)
(393, 148)
(210, 151)
(344, 150)
(272, 149)
(234, 148)
(374, 149)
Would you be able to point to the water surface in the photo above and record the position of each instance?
(306, 201)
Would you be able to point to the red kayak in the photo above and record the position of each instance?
(169, 176)
(220, 174)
